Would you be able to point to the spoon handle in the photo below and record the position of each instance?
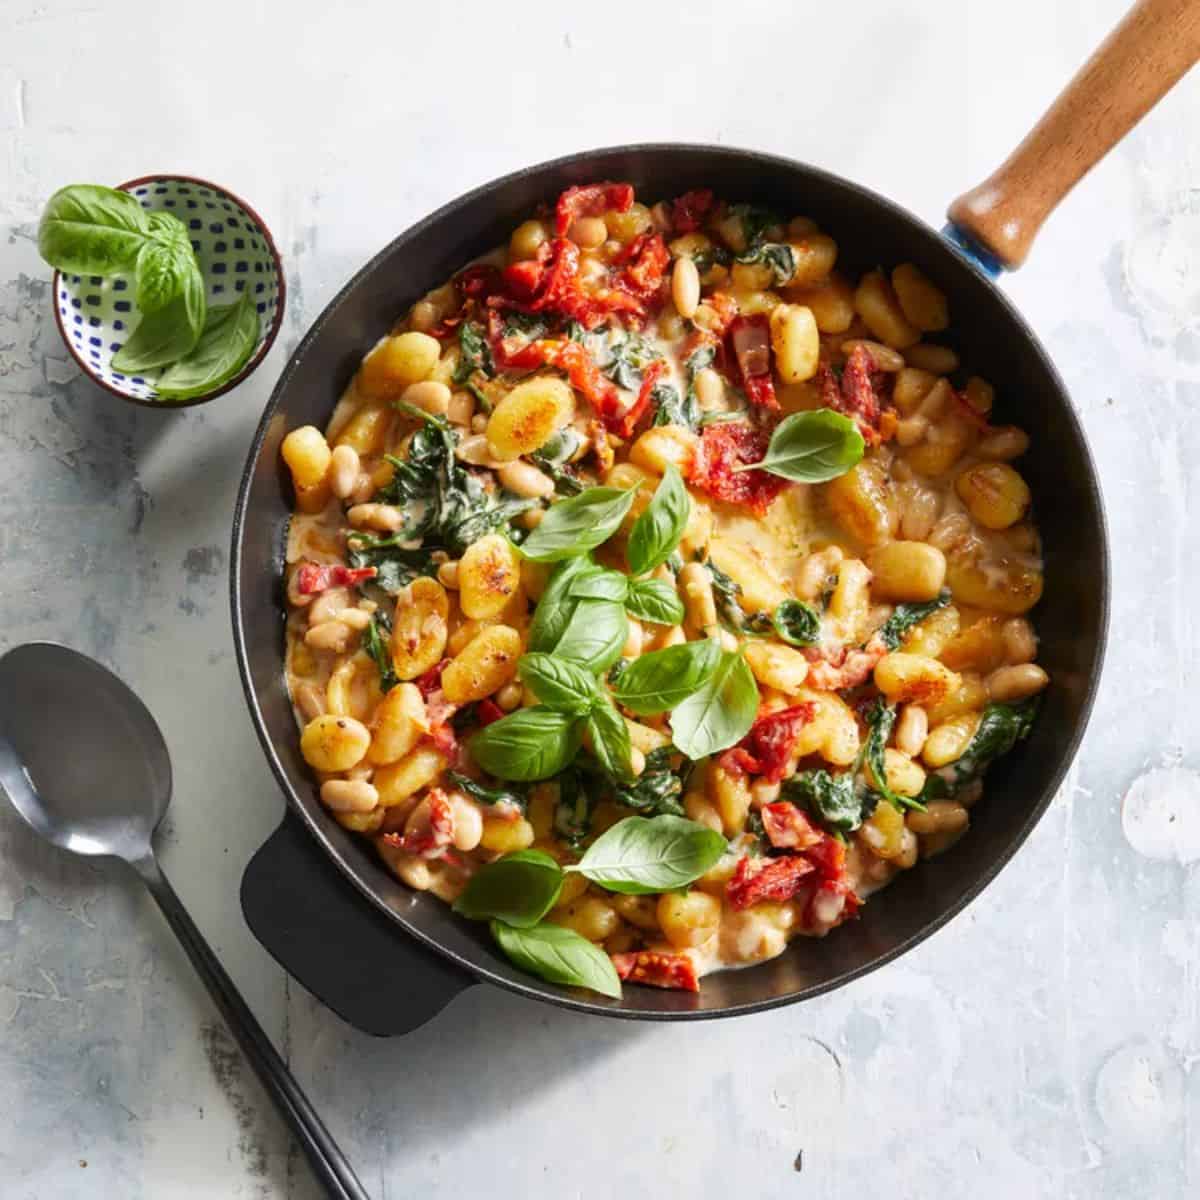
(328, 1162)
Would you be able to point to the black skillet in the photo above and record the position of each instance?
(386, 958)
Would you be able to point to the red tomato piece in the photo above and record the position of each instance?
(488, 711)
(767, 749)
(647, 259)
(431, 681)
(835, 669)
(658, 969)
(431, 841)
(479, 282)
(689, 211)
(828, 858)
(625, 425)
(731, 444)
(312, 578)
(590, 200)
(787, 828)
(859, 394)
(441, 734)
(759, 879)
(750, 339)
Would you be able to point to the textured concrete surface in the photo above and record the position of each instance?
(1044, 1045)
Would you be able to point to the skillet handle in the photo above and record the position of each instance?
(1152, 48)
(348, 954)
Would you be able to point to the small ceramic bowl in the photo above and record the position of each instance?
(235, 249)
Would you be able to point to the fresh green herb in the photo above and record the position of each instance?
(90, 230)
(837, 801)
(797, 623)
(811, 447)
(672, 409)
(779, 256)
(640, 855)
(554, 456)
(1001, 727)
(475, 353)
(486, 517)
(594, 635)
(169, 332)
(518, 889)
(530, 326)
(558, 683)
(578, 795)
(628, 358)
(559, 955)
(732, 616)
(574, 331)
(487, 795)
(755, 222)
(654, 600)
(160, 270)
(601, 585)
(657, 531)
(375, 643)
(228, 339)
(658, 789)
(662, 679)
(555, 608)
(719, 714)
(609, 737)
(529, 744)
(396, 561)
(579, 524)
(905, 616)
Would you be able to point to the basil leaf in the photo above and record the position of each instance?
(905, 616)
(595, 635)
(531, 743)
(811, 447)
(554, 609)
(225, 345)
(578, 524)
(719, 714)
(557, 683)
(609, 736)
(654, 600)
(797, 623)
(601, 585)
(169, 333)
(487, 795)
(640, 855)
(518, 889)
(657, 531)
(559, 955)
(160, 267)
(662, 679)
(90, 230)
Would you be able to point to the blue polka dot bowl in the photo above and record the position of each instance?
(95, 315)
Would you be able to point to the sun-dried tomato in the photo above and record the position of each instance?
(590, 200)
(758, 879)
(750, 340)
(431, 681)
(658, 969)
(479, 282)
(312, 578)
(723, 447)
(441, 735)
(431, 841)
(624, 425)
(766, 749)
(859, 393)
(725, 311)
(833, 669)
(828, 857)
(787, 828)
(487, 711)
(689, 211)
(646, 260)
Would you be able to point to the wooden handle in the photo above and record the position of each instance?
(1139, 62)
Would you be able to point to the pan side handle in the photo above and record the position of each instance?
(324, 934)
(1152, 48)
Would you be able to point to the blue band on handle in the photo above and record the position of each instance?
(972, 251)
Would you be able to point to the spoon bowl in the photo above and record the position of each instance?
(81, 758)
(86, 766)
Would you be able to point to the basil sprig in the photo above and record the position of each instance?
(172, 330)
(91, 230)
(578, 524)
(529, 744)
(811, 447)
(641, 855)
(719, 713)
(654, 600)
(609, 738)
(658, 530)
(558, 683)
(662, 679)
(226, 342)
(518, 889)
(595, 634)
(559, 955)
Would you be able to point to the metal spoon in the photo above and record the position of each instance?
(84, 763)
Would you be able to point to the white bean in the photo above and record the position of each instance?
(344, 466)
(524, 479)
(685, 287)
(385, 518)
(349, 795)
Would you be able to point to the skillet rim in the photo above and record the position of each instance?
(1066, 752)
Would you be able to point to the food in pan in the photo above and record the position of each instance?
(657, 592)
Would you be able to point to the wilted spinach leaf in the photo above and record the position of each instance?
(905, 616)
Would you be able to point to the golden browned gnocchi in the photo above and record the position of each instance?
(559, 596)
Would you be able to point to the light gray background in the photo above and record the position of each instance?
(1042, 1046)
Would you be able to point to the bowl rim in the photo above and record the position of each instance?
(563, 997)
(255, 360)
